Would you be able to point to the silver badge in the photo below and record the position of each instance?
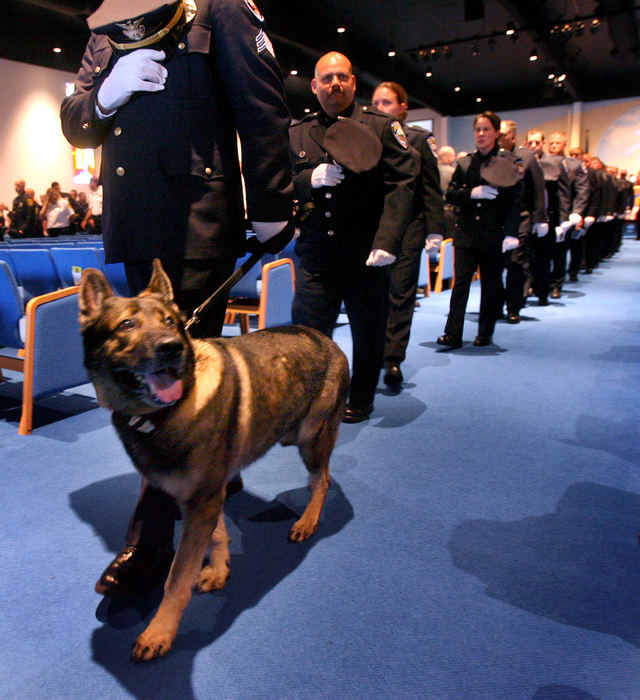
(133, 29)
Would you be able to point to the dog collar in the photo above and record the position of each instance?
(141, 424)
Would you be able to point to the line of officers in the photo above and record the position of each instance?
(554, 213)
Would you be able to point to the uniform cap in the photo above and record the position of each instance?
(502, 171)
(136, 23)
(353, 145)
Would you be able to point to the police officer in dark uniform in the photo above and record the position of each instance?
(427, 221)
(353, 214)
(533, 221)
(163, 88)
(24, 214)
(486, 189)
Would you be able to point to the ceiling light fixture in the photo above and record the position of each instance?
(391, 52)
(57, 49)
(478, 99)
(341, 30)
(475, 51)
(429, 73)
(457, 88)
(534, 54)
(511, 29)
(293, 72)
(595, 25)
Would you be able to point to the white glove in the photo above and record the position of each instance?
(267, 229)
(575, 219)
(589, 221)
(434, 241)
(138, 71)
(379, 258)
(484, 192)
(326, 175)
(509, 243)
(541, 230)
(608, 217)
(561, 231)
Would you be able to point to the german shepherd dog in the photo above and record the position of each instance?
(192, 413)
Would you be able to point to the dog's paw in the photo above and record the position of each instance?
(302, 530)
(212, 579)
(151, 645)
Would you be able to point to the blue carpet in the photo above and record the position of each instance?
(479, 539)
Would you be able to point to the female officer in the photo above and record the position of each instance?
(485, 188)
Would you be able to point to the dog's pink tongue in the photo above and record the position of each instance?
(164, 389)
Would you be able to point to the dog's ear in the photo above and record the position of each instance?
(160, 282)
(94, 289)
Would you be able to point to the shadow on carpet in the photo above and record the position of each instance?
(261, 557)
(578, 566)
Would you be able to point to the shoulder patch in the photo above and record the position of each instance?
(254, 10)
(401, 137)
(432, 143)
(520, 167)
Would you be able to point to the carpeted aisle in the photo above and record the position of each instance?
(479, 540)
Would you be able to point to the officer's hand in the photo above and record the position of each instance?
(509, 243)
(138, 71)
(379, 258)
(434, 241)
(575, 219)
(484, 192)
(589, 221)
(326, 175)
(273, 235)
(541, 230)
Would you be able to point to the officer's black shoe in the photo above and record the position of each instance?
(236, 484)
(357, 412)
(135, 570)
(543, 301)
(393, 375)
(482, 340)
(589, 270)
(513, 317)
(450, 340)
(573, 277)
(555, 293)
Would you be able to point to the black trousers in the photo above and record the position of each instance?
(467, 261)
(153, 520)
(559, 270)
(323, 283)
(592, 244)
(402, 293)
(517, 265)
(541, 253)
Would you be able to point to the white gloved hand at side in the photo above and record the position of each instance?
(379, 258)
(138, 71)
(541, 230)
(589, 221)
(326, 175)
(265, 230)
(434, 241)
(575, 219)
(484, 192)
(509, 243)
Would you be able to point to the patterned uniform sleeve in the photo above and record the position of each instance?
(253, 82)
(80, 125)
(400, 170)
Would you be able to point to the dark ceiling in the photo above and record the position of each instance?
(591, 48)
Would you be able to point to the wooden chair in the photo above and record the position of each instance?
(51, 355)
(273, 306)
(445, 268)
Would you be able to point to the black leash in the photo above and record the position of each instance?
(237, 275)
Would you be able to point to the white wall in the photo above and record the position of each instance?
(32, 147)
(609, 129)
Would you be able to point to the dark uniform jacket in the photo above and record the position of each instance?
(483, 223)
(575, 196)
(534, 200)
(24, 217)
(428, 206)
(366, 210)
(170, 169)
